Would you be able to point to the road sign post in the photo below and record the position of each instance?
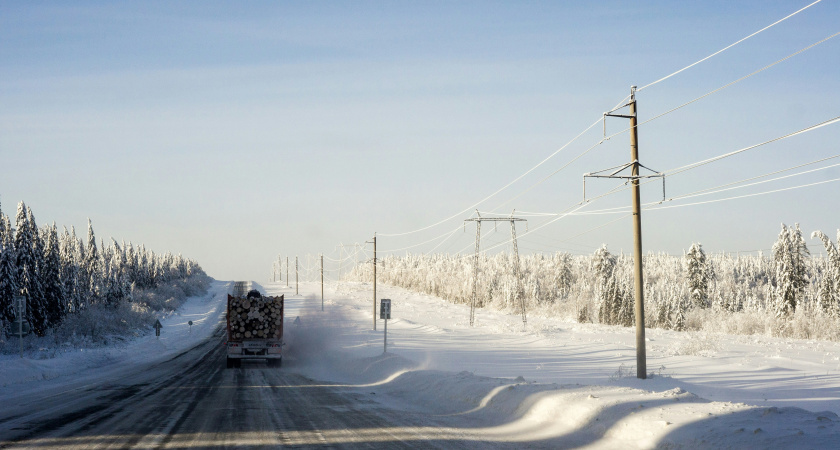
(158, 326)
(385, 313)
(190, 322)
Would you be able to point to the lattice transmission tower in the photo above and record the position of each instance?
(519, 298)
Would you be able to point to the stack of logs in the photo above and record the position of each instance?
(256, 318)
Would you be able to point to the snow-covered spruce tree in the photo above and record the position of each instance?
(40, 302)
(789, 253)
(829, 289)
(26, 276)
(3, 228)
(69, 271)
(141, 272)
(92, 268)
(661, 315)
(114, 282)
(132, 262)
(8, 273)
(54, 300)
(608, 290)
(697, 275)
(562, 280)
(678, 322)
(626, 311)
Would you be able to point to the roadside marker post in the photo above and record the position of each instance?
(190, 322)
(385, 313)
(158, 326)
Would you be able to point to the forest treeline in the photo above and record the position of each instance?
(787, 292)
(61, 275)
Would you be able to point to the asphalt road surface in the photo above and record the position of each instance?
(191, 401)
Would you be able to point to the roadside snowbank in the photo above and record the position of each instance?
(205, 311)
(560, 384)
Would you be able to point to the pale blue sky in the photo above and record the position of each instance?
(233, 133)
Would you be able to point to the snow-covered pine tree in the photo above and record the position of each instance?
(143, 277)
(114, 286)
(829, 290)
(54, 300)
(26, 276)
(153, 269)
(789, 253)
(697, 275)
(662, 313)
(8, 273)
(108, 268)
(38, 293)
(131, 263)
(91, 267)
(3, 228)
(679, 316)
(69, 271)
(83, 282)
(608, 289)
(562, 281)
(626, 310)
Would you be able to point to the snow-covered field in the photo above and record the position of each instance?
(555, 383)
(573, 384)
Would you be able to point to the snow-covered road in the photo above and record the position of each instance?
(442, 384)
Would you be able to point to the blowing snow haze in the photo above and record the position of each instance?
(235, 135)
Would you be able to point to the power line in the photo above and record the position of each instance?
(765, 175)
(471, 207)
(553, 173)
(441, 242)
(724, 187)
(449, 234)
(444, 235)
(745, 196)
(726, 155)
(727, 47)
(606, 138)
(725, 86)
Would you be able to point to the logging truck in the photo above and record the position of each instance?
(254, 329)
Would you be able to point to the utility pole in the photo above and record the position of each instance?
(322, 282)
(287, 271)
(641, 354)
(374, 278)
(634, 166)
(296, 276)
(374, 281)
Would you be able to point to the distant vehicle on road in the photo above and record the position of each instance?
(254, 329)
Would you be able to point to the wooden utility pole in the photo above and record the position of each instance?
(641, 354)
(374, 281)
(322, 282)
(634, 165)
(296, 276)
